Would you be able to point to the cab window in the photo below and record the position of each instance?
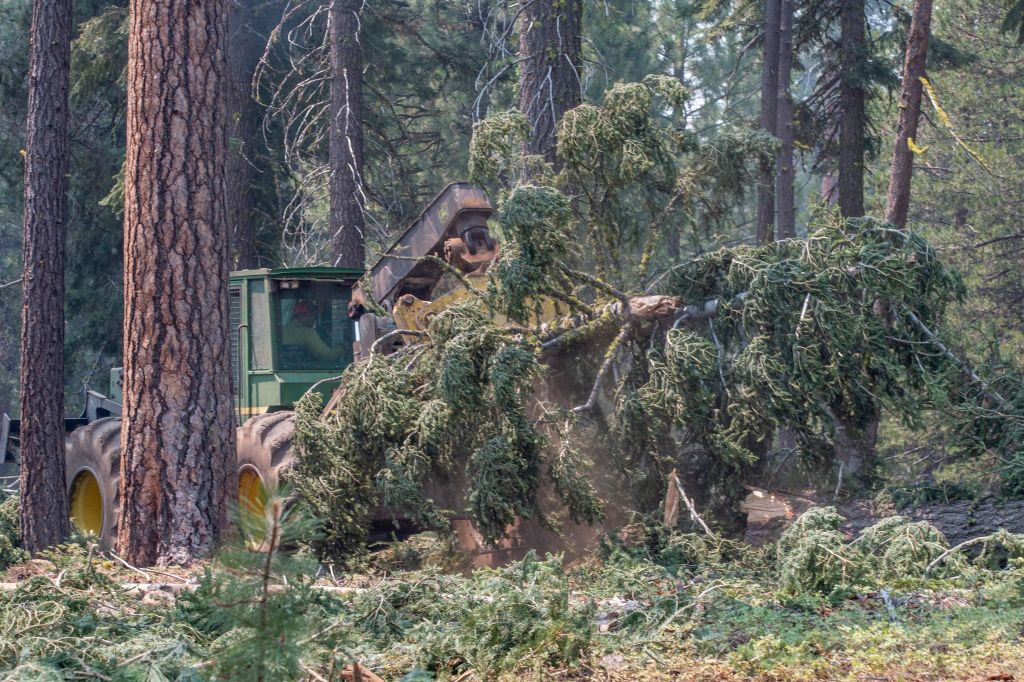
(313, 328)
(259, 325)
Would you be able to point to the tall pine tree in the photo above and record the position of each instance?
(909, 112)
(177, 442)
(550, 74)
(769, 117)
(347, 196)
(852, 107)
(785, 173)
(44, 518)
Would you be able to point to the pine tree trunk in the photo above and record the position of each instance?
(346, 135)
(785, 174)
(853, 115)
(243, 53)
(784, 171)
(550, 45)
(44, 502)
(909, 112)
(177, 439)
(673, 247)
(769, 118)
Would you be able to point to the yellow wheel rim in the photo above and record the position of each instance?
(86, 503)
(252, 497)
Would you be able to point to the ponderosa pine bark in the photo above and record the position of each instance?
(550, 47)
(909, 112)
(769, 118)
(177, 439)
(44, 500)
(346, 135)
(852, 107)
(785, 173)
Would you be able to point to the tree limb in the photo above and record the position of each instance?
(689, 505)
(393, 334)
(606, 366)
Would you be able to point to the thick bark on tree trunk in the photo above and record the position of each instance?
(853, 115)
(44, 502)
(854, 447)
(346, 135)
(769, 118)
(243, 53)
(785, 174)
(550, 45)
(909, 112)
(177, 441)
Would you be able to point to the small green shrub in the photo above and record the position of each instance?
(259, 604)
(812, 554)
(10, 532)
(514, 618)
(897, 547)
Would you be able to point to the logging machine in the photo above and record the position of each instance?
(293, 330)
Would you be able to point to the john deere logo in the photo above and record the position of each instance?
(443, 213)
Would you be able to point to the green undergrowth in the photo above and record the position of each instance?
(10, 532)
(651, 603)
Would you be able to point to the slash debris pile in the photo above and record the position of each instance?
(895, 601)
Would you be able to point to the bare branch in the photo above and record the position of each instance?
(606, 366)
(392, 334)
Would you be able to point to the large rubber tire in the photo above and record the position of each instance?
(92, 465)
(264, 450)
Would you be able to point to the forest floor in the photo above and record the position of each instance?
(671, 607)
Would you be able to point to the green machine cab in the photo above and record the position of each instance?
(290, 331)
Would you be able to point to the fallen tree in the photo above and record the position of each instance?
(496, 410)
(783, 334)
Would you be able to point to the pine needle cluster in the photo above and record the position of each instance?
(456, 409)
(814, 555)
(257, 600)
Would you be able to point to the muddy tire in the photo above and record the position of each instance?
(264, 450)
(92, 467)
